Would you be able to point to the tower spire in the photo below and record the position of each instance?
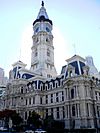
(42, 3)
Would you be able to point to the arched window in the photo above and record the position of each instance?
(70, 74)
(47, 40)
(51, 85)
(22, 90)
(46, 87)
(47, 29)
(37, 29)
(72, 93)
(41, 86)
(56, 84)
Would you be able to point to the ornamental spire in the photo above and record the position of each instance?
(42, 3)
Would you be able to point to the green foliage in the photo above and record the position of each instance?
(16, 119)
(48, 122)
(51, 124)
(34, 119)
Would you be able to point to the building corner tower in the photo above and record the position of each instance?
(42, 56)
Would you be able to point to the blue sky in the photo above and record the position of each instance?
(75, 22)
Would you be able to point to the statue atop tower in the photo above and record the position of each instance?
(42, 3)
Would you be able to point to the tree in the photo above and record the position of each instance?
(10, 114)
(34, 119)
(48, 122)
(16, 119)
(52, 125)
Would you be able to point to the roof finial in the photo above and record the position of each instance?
(42, 3)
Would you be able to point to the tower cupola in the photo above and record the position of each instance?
(42, 22)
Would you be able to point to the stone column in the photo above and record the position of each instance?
(76, 91)
(78, 110)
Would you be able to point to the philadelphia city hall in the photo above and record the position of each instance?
(72, 97)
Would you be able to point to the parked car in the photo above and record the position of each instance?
(3, 129)
(29, 131)
(40, 131)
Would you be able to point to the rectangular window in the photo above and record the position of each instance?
(57, 98)
(87, 106)
(52, 112)
(56, 85)
(29, 113)
(51, 98)
(62, 96)
(50, 86)
(57, 112)
(63, 111)
(40, 100)
(33, 100)
(46, 99)
(72, 93)
(77, 110)
(29, 100)
(46, 113)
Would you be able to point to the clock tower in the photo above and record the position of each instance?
(42, 56)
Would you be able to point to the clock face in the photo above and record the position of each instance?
(37, 29)
(47, 29)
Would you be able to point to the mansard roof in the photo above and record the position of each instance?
(75, 57)
(19, 63)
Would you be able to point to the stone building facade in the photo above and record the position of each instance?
(72, 97)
